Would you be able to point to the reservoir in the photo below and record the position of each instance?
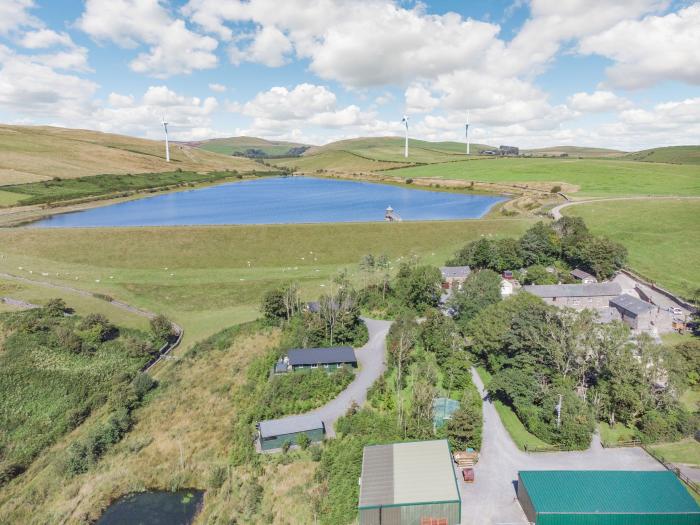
(280, 200)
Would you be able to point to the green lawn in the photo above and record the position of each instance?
(335, 160)
(686, 451)
(616, 433)
(210, 277)
(595, 177)
(691, 399)
(8, 198)
(663, 237)
(522, 438)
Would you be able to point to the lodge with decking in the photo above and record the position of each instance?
(331, 358)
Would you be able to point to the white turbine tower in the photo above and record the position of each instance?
(405, 147)
(466, 132)
(167, 144)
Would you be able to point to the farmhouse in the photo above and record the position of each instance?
(274, 433)
(454, 276)
(605, 498)
(635, 312)
(330, 358)
(578, 296)
(584, 277)
(409, 484)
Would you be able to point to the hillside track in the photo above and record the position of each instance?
(556, 211)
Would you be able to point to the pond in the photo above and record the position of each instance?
(154, 508)
(281, 200)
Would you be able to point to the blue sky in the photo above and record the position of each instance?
(529, 73)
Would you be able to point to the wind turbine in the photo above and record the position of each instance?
(466, 132)
(405, 148)
(167, 145)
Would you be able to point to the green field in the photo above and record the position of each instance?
(663, 237)
(239, 145)
(575, 151)
(99, 185)
(672, 154)
(595, 178)
(686, 451)
(336, 161)
(615, 434)
(207, 278)
(8, 198)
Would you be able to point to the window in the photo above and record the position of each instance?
(326, 365)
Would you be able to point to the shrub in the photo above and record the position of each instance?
(555, 189)
(161, 328)
(217, 476)
(304, 441)
(409, 181)
(142, 384)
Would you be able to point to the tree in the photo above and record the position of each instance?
(538, 274)
(479, 290)
(401, 341)
(464, 428)
(419, 287)
(420, 422)
(367, 265)
(272, 305)
(161, 328)
(382, 264)
(597, 255)
(438, 333)
(540, 245)
(56, 307)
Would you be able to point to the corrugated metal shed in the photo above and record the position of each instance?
(455, 272)
(606, 497)
(315, 356)
(574, 290)
(407, 473)
(289, 425)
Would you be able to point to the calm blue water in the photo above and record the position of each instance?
(154, 508)
(280, 200)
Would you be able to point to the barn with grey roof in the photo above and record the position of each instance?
(409, 484)
(578, 296)
(636, 313)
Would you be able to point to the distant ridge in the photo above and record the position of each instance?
(243, 145)
(576, 151)
(670, 154)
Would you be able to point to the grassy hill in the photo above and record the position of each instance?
(239, 145)
(671, 154)
(576, 151)
(40, 153)
(391, 149)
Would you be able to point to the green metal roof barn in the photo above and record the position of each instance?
(596, 497)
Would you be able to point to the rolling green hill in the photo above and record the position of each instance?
(239, 145)
(671, 154)
(40, 153)
(576, 151)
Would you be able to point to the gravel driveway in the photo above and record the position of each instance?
(491, 499)
(371, 362)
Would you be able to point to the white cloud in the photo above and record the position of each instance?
(598, 101)
(269, 47)
(419, 99)
(279, 103)
(40, 91)
(42, 38)
(174, 49)
(218, 88)
(651, 50)
(14, 14)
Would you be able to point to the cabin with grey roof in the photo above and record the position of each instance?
(578, 296)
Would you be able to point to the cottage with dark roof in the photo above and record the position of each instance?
(578, 296)
(636, 313)
(330, 358)
(584, 277)
(454, 276)
(274, 433)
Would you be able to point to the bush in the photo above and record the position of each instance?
(217, 476)
(142, 384)
(303, 441)
(555, 189)
(161, 328)
(409, 181)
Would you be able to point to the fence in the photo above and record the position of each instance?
(695, 487)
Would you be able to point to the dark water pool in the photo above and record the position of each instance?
(154, 508)
(281, 200)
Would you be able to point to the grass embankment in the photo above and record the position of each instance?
(522, 438)
(616, 434)
(206, 278)
(239, 145)
(671, 154)
(663, 237)
(38, 153)
(686, 452)
(169, 447)
(101, 185)
(341, 161)
(56, 371)
(595, 178)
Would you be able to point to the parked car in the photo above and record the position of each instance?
(468, 475)
(677, 311)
